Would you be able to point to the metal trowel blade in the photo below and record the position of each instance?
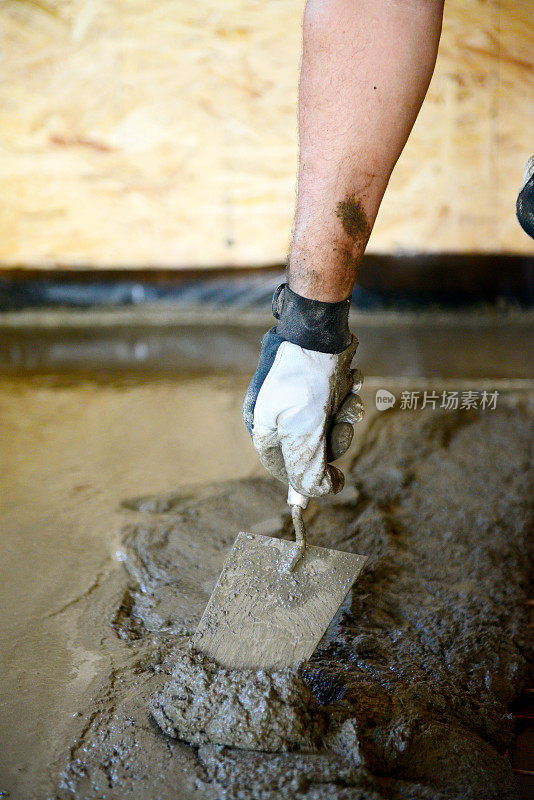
(260, 615)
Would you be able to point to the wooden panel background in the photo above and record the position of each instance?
(164, 134)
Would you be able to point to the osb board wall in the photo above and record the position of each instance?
(164, 133)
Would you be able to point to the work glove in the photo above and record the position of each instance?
(302, 401)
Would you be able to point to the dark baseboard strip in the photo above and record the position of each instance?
(447, 280)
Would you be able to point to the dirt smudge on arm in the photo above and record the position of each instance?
(354, 220)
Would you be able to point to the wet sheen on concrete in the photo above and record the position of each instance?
(172, 340)
(71, 450)
(410, 690)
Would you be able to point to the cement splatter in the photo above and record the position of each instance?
(408, 694)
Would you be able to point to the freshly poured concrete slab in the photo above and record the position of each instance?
(427, 643)
(418, 670)
(169, 340)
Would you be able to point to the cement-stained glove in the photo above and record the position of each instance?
(302, 403)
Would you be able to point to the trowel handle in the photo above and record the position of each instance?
(298, 503)
(294, 498)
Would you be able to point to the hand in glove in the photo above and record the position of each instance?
(302, 403)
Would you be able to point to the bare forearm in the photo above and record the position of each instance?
(365, 71)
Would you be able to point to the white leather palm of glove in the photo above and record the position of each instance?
(299, 409)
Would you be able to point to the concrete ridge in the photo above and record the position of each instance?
(204, 315)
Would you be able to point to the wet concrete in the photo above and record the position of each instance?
(70, 452)
(172, 340)
(408, 694)
(95, 617)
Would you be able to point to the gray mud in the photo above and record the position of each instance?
(409, 693)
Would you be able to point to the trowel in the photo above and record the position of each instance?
(275, 599)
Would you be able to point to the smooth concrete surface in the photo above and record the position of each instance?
(484, 344)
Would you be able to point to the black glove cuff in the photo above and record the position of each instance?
(312, 324)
